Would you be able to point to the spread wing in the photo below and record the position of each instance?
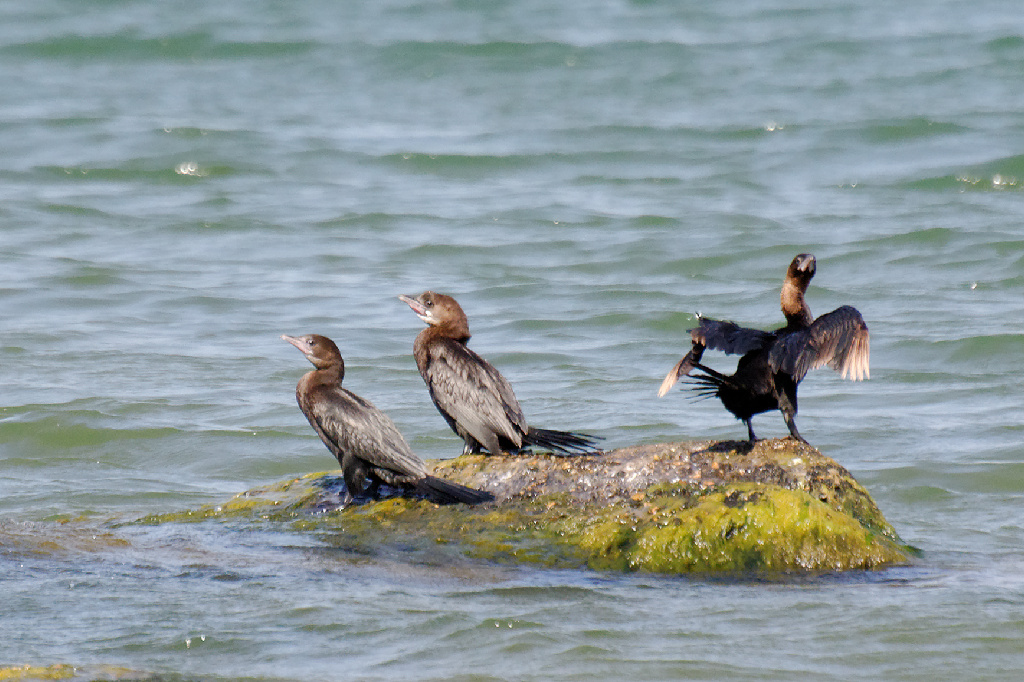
(473, 393)
(717, 335)
(729, 337)
(681, 369)
(349, 424)
(838, 339)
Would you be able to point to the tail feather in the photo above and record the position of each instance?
(563, 443)
(706, 385)
(703, 388)
(445, 492)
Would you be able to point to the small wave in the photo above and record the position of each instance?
(69, 428)
(995, 348)
(911, 128)
(129, 47)
(470, 165)
(1010, 44)
(1001, 175)
(530, 55)
(175, 172)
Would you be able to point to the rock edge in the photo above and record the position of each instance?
(685, 507)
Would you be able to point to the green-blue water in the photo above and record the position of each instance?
(181, 183)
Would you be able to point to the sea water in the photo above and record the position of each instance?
(183, 182)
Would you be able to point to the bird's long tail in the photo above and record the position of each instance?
(563, 443)
(707, 384)
(441, 491)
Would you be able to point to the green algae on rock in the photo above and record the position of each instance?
(64, 671)
(60, 671)
(35, 538)
(672, 508)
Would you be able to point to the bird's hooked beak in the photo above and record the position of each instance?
(300, 342)
(421, 310)
(805, 263)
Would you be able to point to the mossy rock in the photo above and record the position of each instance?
(32, 672)
(669, 508)
(64, 671)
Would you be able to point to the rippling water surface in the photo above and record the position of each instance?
(181, 183)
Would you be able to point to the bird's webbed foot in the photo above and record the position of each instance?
(789, 413)
(350, 500)
(793, 433)
(367, 494)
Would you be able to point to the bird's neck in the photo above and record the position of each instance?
(459, 333)
(332, 375)
(794, 307)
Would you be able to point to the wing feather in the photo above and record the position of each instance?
(838, 339)
(681, 369)
(729, 337)
(473, 393)
(350, 424)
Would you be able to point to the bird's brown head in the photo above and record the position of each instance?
(441, 311)
(802, 268)
(319, 350)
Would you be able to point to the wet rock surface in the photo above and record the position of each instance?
(673, 507)
(623, 473)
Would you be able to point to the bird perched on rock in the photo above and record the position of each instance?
(366, 442)
(473, 396)
(773, 363)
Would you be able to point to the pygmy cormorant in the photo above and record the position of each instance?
(366, 442)
(472, 396)
(774, 363)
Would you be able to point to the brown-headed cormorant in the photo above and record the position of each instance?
(472, 396)
(773, 363)
(366, 442)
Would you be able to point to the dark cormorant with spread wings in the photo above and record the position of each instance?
(774, 363)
